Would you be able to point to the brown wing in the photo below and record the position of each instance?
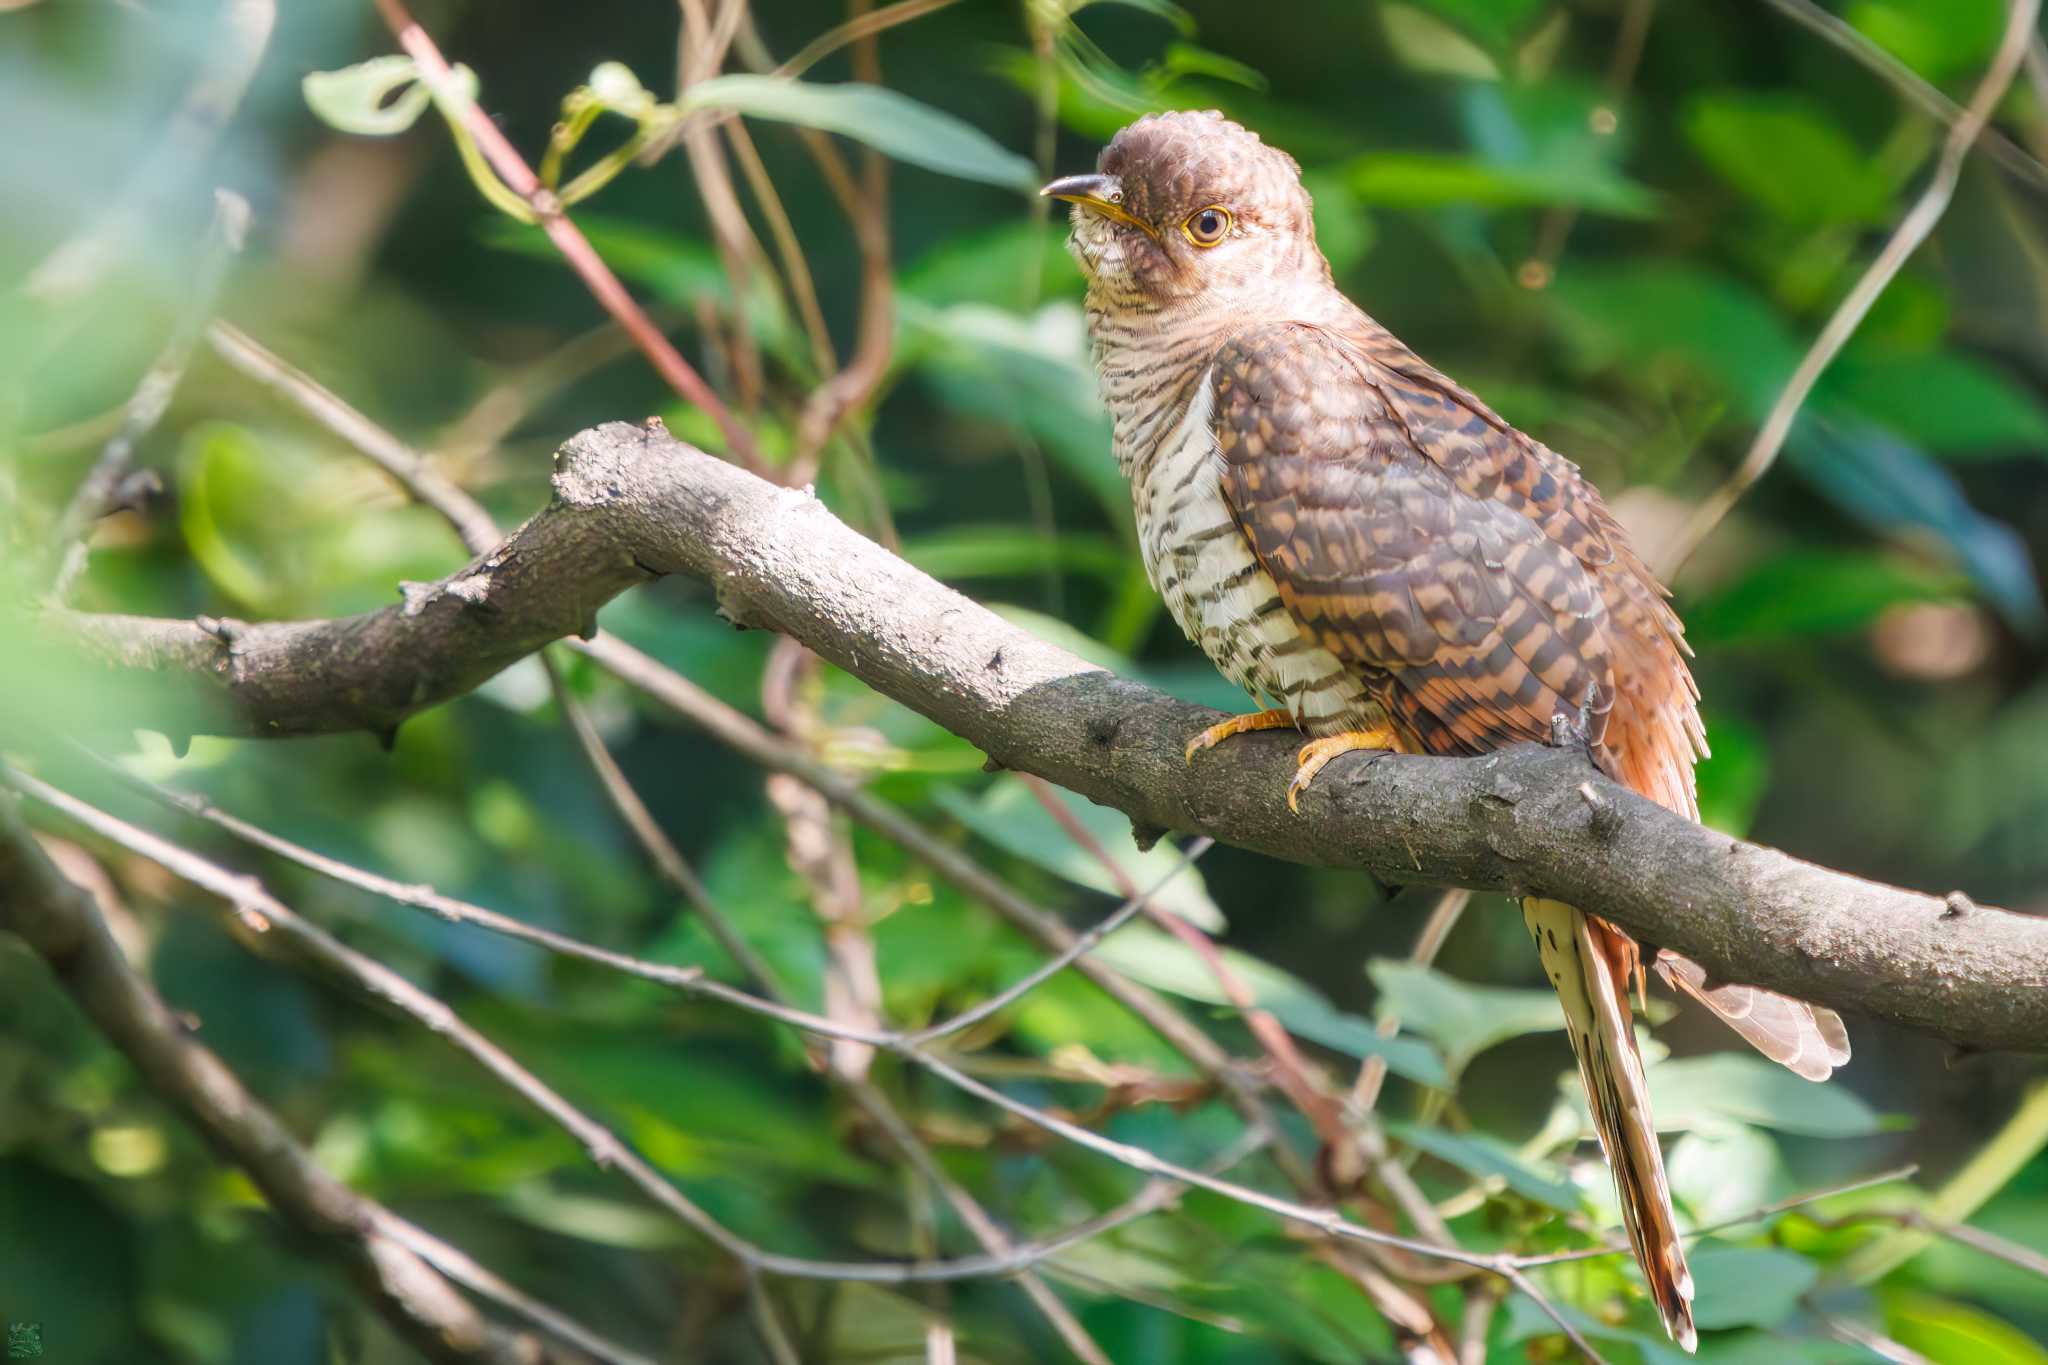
(1409, 534)
(1476, 578)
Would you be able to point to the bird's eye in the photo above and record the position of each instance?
(1207, 227)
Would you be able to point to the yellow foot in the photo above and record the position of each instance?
(1318, 752)
(1237, 725)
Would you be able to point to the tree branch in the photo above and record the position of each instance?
(384, 1256)
(631, 502)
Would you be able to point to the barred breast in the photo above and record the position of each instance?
(1202, 566)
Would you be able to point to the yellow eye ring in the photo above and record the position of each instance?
(1207, 227)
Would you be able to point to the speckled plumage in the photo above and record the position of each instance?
(1359, 541)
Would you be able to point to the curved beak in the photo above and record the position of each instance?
(1101, 194)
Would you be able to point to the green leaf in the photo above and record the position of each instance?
(889, 122)
(358, 99)
(1479, 1155)
(354, 99)
(1496, 25)
(1892, 485)
(1937, 38)
(1738, 1087)
(1423, 42)
(1735, 1286)
(1462, 1020)
(1787, 154)
(1150, 956)
(992, 267)
(1951, 403)
(1012, 551)
(1023, 372)
(1957, 1334)
(1434, 179)
(1636, 320)
(1734, 778)
(1815, 592)
(1011, 817)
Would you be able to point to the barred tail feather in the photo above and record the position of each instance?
(1590, 965)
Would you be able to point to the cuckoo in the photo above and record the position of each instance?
(1378, 558)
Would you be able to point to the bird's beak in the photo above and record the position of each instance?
(1101, 194)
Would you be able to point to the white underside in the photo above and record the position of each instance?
(1182, 518)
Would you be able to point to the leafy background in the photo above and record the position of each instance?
(1870, 629)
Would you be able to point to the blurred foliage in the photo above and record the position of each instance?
(1628, 270)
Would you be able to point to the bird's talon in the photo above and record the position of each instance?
(1238, 725)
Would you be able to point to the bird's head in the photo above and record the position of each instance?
(1190, 207)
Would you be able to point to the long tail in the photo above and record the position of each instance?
(1591, 966)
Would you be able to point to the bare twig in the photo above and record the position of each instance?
(1555, 229)
(1372, 1073)
(385, 1257)
(567, 237)
(860, 26)
(701, 49)
(662, 854)
(152, 396)
(1913, 229)
(1908, 82)
(405, 465)
(867, 209)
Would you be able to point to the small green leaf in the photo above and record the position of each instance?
(1735, 1286)
(354, 99)
(1738, 1087)
(1957, 1334)
(885, 120)
(1788, 155)
(359, 98)
(1462, 1020)
(1013, 551)
(1495, 24)
(614, 85)
(1433, 179)
(1148, 955)
(1011, 817)
(1951, 403)
(1476, 1154)
(1816, 592)
(1937, 38)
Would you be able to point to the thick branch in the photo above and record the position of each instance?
(631, 501)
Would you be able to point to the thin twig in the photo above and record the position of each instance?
(262, 913)
(567, 237)
(1913, 229)
(853, 30)
(152, 397)
(1621, 1248)
(464, 1269)
(386, 1257)
(1555, 229)
(875, 336)
(701, 49)
(1372, 1073)
(667, 861)
(413, 473)
(1908, 82)
(1139, 902)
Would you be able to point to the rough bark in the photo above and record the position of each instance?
(631, 502)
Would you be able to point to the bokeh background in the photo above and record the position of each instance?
(1625, 251)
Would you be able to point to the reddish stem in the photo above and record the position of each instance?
(604, 286)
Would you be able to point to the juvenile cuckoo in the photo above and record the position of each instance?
(1371, 551)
